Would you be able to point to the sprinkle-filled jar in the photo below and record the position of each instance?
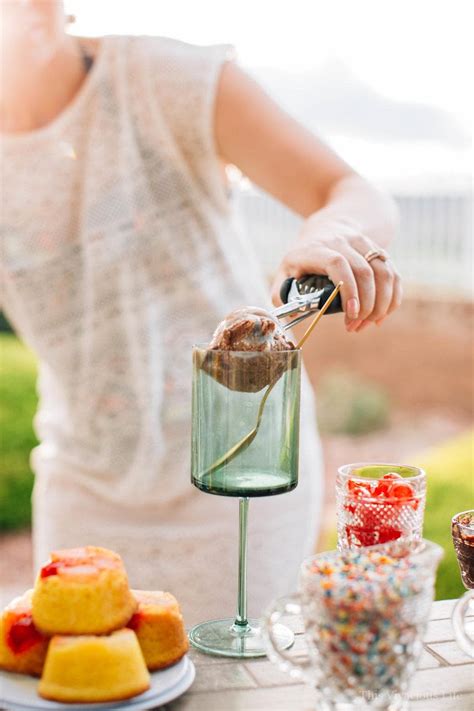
(365, 612)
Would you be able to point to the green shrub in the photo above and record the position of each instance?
(450, 473)
(17, 406)
(350, 405)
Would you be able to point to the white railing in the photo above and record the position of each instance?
(433, 250)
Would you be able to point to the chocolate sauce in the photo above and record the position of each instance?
(462, 529)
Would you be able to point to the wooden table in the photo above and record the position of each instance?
(444, 680)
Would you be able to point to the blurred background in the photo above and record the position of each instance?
(386, 84)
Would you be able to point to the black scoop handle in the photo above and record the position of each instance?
(310, 283)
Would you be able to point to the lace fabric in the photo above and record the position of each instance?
(119, 251)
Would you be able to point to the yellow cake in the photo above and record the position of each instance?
(159, 627)
(82, 591)
(22, 647)
(92, 669)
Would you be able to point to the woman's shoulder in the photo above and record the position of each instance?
(165, 56)
(167, 46)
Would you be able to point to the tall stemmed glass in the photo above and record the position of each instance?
(462, 529)
(245, 437)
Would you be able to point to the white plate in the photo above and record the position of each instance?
(19, 692)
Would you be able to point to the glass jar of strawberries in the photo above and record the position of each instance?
(377, 503)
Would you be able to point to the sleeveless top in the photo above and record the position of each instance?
(119, 251)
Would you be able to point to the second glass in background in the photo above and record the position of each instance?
(462, 530)
(378, 503)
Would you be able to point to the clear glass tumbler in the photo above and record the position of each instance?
(463, 622)
(245, 443)
(378, 503)
(365, 612)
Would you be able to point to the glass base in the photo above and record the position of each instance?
(224, 638)
(396, 702)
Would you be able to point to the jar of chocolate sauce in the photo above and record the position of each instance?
(462, 529)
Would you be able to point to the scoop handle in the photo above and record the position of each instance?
(313, 282)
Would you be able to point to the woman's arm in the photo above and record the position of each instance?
(345, 215)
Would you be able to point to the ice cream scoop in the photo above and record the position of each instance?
(261, 334)
(251, 370)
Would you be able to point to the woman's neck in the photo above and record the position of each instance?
(34, 90)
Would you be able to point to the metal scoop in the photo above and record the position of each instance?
(302, 297)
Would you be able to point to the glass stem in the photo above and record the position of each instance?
(241, 619)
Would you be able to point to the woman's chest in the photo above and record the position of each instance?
(98, 201)
(93, 235)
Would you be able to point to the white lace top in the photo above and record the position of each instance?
(118, 254)
(119, 251)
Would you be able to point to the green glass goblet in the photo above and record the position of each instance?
(245, 438)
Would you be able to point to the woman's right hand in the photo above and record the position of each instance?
(371, 290)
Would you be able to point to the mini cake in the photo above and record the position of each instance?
(82, 591)
(159, 627)
(91, 669)
(22, 647)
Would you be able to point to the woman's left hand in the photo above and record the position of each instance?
(336, 247)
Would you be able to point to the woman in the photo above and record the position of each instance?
(119, 252)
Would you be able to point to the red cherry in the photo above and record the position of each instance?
(382, 488)
(402, 491)
(389, 534)
(135, 620)
(353, 485)
(23, 635)
(391, 476)
(49, 569)
(360, 489)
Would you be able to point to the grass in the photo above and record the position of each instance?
(17, 405)
(449, 467)
(450, 472)
(351, 405)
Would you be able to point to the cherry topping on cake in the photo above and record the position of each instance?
(49, 569)
(22, 634)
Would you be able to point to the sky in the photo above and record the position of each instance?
(406, 50)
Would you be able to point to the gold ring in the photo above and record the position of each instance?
(374, 254)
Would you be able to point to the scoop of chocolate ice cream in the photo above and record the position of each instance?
(250, 329)
(246, 350)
